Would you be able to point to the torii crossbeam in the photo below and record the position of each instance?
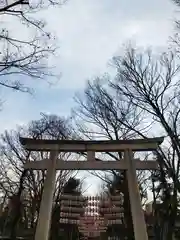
(127, 163)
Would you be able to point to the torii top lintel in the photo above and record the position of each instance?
(148, 144)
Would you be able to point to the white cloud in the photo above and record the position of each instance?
(88, 32)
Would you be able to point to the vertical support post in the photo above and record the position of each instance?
(139, 225)
(44, 219)
(90, 156)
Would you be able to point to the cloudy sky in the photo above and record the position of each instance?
(89, 33)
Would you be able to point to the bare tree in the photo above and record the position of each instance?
(141, 101)
(24, 188)
(104, 113)
(24, 53)
(151, 83)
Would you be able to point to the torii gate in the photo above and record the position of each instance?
(128, 163)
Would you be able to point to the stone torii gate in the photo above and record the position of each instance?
(91, 147)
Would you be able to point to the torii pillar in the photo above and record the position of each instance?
(45, 212)
(128, 163)
(139, 225)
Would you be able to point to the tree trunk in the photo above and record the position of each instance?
(16, 207)
(172, 217)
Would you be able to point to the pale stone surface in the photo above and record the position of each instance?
(140, 231)
(44, 219)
